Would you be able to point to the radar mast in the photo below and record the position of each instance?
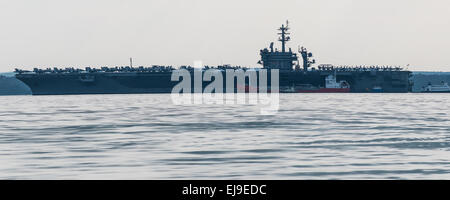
(284, 36)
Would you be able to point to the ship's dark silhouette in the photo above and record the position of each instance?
(293, 76)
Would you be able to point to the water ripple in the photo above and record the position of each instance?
(313, 136)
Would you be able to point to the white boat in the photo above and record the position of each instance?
(442, 88)
(331, 86)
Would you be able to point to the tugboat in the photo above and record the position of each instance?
(442, 88)
(331, 86)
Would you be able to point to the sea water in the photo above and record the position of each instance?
(312, 136)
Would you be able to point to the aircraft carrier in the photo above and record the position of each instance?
(294, 76)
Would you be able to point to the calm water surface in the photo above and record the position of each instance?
(313, 136)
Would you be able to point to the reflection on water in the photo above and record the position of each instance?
(313, 136)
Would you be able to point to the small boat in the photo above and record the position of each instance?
(331, 86)
(442, 88)
(377, 89)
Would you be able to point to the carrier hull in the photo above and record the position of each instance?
(160, 82)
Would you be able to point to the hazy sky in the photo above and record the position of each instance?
(80, 33)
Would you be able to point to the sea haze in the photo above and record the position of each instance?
(313, 136)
